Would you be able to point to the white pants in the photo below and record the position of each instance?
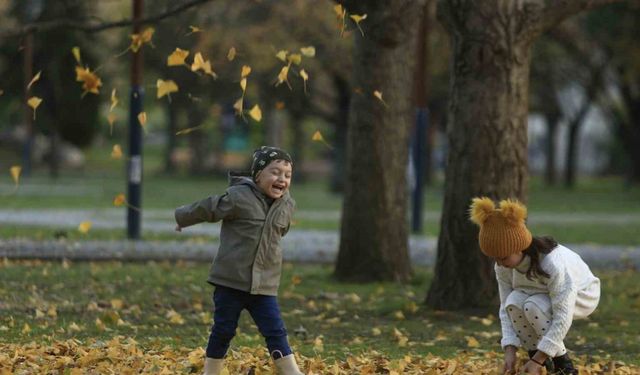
(531, 317)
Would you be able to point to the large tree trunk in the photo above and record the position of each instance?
(487, 131)
(374, 232)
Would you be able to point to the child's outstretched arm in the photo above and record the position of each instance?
(211, 209)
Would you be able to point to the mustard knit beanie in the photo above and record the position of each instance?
(502, 230)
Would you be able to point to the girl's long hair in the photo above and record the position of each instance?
(539, 245)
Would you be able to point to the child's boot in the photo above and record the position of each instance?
(212, 366)
(548, 364)
(564, 366)
(287, 365)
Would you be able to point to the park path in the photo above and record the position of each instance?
(300, 245)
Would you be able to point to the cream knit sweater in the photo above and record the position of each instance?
(574, 292)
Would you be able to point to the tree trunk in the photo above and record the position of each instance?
(172, 128)
(374, 231)
(550, 167)
(487, 133)
(572, 150)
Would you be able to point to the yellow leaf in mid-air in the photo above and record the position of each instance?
(309, 51)
(378, 95)
(231, 54)
(357, 19)
(243, 84)
(305, 78)
(282, 76)
(200, 63)
(15, 173)
(76, 54)
(238, 105)
(34, 102)
(34, 80)
(142, 118)
(317, 136)
(177, 57)
(84, 227)
(114, 100)
(90, 81)
(295, 58)
(116, 152)
(119, 200)
(282, 55)
(246, 70)
(341, 13)
(194, 29)
(165, 87)
(256, 113)
(111, 118)
(137, 40)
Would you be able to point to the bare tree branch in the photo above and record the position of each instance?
(89, 27)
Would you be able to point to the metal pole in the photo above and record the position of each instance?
(134, 165)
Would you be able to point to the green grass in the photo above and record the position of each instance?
(343, 315)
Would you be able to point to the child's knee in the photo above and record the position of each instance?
(534, 313)
(223, 332)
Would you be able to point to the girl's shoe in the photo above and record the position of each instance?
(212, 366)
(564, 366)
(287, 365)
(548, 364)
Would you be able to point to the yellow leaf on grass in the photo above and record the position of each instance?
(256, 113)
(165, 88)
(119, 200)
(243, 84)
(15, 173)
(472, 342)
(309, 51)
(73, 327)
(84, 227)
(246, 70)
(375, 331)
(357, 19)
(177, 57)
(76, 54)
(174, 317)
(282, 55)
(231, 54)
(137, 40)
(26, 329)
(34, 80)
(100, 325)
(318, 345)
(34, 102)
(117, 303)
(200, 63)
(114, 100)
(116, 152)
(142, 118)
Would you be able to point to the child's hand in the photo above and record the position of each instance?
(178, 228)
(510, 360)
(532, 368)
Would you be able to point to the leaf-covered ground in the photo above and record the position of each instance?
(67, 318)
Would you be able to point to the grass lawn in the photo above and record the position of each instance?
(167, 305)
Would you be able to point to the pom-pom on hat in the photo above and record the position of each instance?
(502, 230)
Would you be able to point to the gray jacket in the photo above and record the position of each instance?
(249, 257)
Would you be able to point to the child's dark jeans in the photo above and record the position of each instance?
(264, 310)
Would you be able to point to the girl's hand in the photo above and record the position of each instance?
(532, 368)
(510, 359)
(178, 228)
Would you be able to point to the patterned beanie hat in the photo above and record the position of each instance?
(502, 230)
(265, 155)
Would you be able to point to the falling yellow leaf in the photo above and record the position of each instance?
(309, 51)
(84, 227)
(317, 136)
(114, 100)
(200, 63)
(34, 102)
(76, 54)
(194, 29)
(34, 80)
(238, 105)
(378, 95)
(189, 130)
(137, 40)
(283, 76)
(111, 119)
(279, 105)
(90, 81)
(341, 14)
(142, 118)
(116, 152)
(119, 200)
(305, 77)
(177, 57)
(357, 19)
(256, 113)
(243, 84)
(246, 70)
(231, 54)
(166, 88)
(15, 173)
(295, 58)
(282, 55)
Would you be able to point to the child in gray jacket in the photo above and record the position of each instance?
(256, 213)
